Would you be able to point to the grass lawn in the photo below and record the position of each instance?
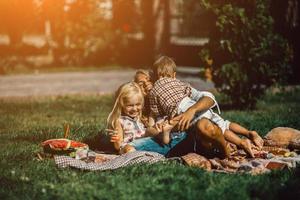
(25, 123)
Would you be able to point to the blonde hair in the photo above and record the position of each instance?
(164, 66)
(125, 91)
(140, 71)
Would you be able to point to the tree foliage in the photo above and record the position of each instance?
(79, 31)
(247, 55)
(16, 17)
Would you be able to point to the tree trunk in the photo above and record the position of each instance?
(148, 28)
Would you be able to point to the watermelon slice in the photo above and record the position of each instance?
(62, 144)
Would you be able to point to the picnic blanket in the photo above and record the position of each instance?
(238, 163)
(275, 155)
(267, 159)
(108, 162)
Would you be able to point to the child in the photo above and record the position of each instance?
(124, 121)
(170, 97)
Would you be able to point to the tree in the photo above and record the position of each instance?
(247, 55)
(78, 29)
(148, 28)
(16, 17)
(286, 15)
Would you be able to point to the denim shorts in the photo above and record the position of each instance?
(152, 144)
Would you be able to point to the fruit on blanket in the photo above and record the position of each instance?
(275, 150)
(62, 144)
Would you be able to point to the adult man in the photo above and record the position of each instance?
(202, 135)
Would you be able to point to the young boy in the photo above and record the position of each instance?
(170, 97)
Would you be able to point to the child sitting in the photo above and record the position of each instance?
(124, 122)
(171, 97)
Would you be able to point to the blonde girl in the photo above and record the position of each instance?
(124, 122)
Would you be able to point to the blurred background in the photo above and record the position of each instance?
(125, 32)
(37, 34)
(101, 32)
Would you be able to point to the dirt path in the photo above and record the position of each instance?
(98, 82)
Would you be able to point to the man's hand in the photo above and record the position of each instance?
(185, 120)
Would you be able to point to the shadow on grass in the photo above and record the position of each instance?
(291, 188)
(9, 184)
(100, 142)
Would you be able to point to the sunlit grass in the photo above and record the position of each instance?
(25, 123)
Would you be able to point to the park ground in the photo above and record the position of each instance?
(25, 122)
(103, 81)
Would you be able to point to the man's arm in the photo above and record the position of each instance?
(205, 101)
(197, 95)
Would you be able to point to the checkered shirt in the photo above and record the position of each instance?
(166, 95)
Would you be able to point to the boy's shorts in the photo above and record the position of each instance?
(187, 102)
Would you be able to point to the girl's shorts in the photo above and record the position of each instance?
(152, 144)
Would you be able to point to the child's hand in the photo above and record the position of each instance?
(158, 127)
(115, 138)
(113, 134)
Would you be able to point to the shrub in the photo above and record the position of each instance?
(247, 55)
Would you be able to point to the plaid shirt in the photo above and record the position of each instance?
(166, 95)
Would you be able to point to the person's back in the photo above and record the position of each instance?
(165, 96)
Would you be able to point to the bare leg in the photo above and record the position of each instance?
(252, 135)
(166, 130)
(245, 144)
(211, 137)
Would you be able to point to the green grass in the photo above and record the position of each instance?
(25, 123)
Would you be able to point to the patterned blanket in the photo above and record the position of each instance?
(103, 162)
(238, 163)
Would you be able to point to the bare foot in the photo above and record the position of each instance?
(246, 146)
(166, 129)
(256, 139)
